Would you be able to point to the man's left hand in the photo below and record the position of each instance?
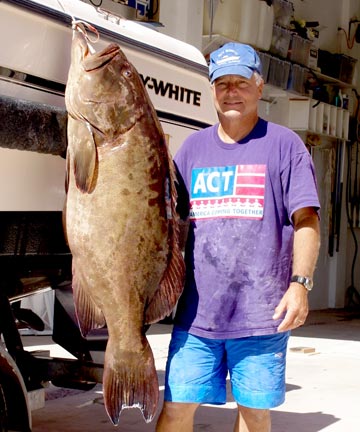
(294, 305)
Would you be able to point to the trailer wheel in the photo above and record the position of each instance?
(3, 412)
(15, 414)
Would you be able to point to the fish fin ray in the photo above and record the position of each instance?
(171, 287)
(130, 381)
(172, 282)
(84, 154)
(89, 315)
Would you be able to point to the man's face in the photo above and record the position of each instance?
(236, 96)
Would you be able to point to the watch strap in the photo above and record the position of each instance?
(303, 280)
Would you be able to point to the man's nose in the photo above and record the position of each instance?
(232, 87)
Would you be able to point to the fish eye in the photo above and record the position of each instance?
(127, 73)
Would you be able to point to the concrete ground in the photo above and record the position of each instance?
(323, 385)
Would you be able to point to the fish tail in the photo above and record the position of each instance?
(130, 381)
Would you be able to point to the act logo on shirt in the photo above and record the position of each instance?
(233, 191)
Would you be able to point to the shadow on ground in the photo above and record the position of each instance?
(85, 411)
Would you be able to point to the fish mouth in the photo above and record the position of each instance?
(98, 60)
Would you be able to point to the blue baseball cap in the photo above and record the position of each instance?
(234, 59)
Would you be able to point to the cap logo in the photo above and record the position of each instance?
(234, 59)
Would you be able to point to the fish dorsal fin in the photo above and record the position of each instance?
(84, 154)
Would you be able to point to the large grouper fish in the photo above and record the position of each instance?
(120, 219)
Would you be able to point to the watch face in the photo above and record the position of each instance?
(308, 284)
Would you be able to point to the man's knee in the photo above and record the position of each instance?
(176, 410)
(252, 419)
(256, 414)
(174, 415)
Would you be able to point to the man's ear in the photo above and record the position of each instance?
(261, 88)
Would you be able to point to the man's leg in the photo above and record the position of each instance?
(195, 374)
(176, 417)
(257, 371)
(252, 420)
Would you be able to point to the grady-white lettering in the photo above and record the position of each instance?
(172, 91)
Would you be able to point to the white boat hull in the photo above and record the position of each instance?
(34, 63)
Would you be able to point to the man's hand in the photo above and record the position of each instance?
(294, 305)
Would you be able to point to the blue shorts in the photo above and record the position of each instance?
(197, 369)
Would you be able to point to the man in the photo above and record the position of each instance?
(250, 254)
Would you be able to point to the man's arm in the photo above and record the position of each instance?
(305, 253)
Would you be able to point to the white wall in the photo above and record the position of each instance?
(328, 13)
(182, 20)
(333, 274)
(115, 8)
(350, 245)
(332, 14)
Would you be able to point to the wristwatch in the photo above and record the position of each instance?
(303, 280)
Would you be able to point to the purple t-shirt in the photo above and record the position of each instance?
(239, 249)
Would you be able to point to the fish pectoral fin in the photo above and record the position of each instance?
(83, 153)
(88, 314)
(130, 380)
(171, 287)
